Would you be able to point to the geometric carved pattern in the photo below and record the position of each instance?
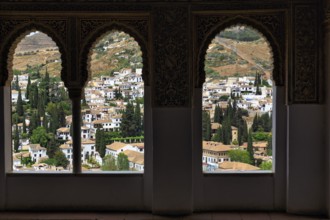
(93, 28)
(270, 24)
(304, 85)
(171, 52)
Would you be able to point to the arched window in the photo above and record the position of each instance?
(113, 105)
(41, 107)
(238, 101)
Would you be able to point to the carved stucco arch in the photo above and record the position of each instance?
(97, 35)
(15, 38)
(277, 72)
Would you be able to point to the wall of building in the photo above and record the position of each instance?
(173, 35)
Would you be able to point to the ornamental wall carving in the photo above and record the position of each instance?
(173, 39)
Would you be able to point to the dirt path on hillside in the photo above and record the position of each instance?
(242, 54)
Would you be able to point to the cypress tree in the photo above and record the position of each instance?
(206, 126)
(255, 123)
(51, 147)
(226, 130)
(28, 88)
(33, 122)
(15, 84)
(250, 147)
(46, 81)
(61, 116)
(258, 91)
(97, 138)
(16, 139)
(216, 117)
(38, 119)
(256, 79)
(41, 101)
(218, 135)
(19, 106)
(127, 126)
(100, 141)
(137, 120)
(220, 115)
(24, 125)
(45, 122)
(245, 132)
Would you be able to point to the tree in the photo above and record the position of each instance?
(245, 132)
(24, 125)
(41, 103)
(239, 156)
(34, 95)
(109, 163)
(51, 147)
(87, 156)
(137, 120)
(218, 114)
(45, 122)
(127, 126)
(122, 162)
(19, 105)
(118, 94)
(216, 117)
(226, 130)
(255, 123)
(15, 84)
(258, 91)
(61, 116)
(52, 110)
(46, 82)
(266, 165)
(218, 137)
(60, 159)
(34, 122)
(270, 146)
(250, 147)
(16, 139)
(40, 136)
(28, 88)
(206, 126)
(100, 142)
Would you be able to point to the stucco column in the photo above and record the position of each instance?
(75, 96)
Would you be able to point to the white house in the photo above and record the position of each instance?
(87, 149)
(37, 152)
(136, 160)
(85, 132)
(63, 133)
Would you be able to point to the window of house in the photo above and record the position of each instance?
(115, 67)
(237, 101)
(41, 107)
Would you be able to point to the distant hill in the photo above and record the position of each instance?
(35, 41)
(238, 52)
(115, 51)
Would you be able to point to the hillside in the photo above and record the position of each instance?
(235, 53)
(37, 51)
(113, 52)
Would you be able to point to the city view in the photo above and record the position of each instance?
(237, 102)
(237, 105)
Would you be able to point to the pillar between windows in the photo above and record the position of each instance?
(75, 96)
